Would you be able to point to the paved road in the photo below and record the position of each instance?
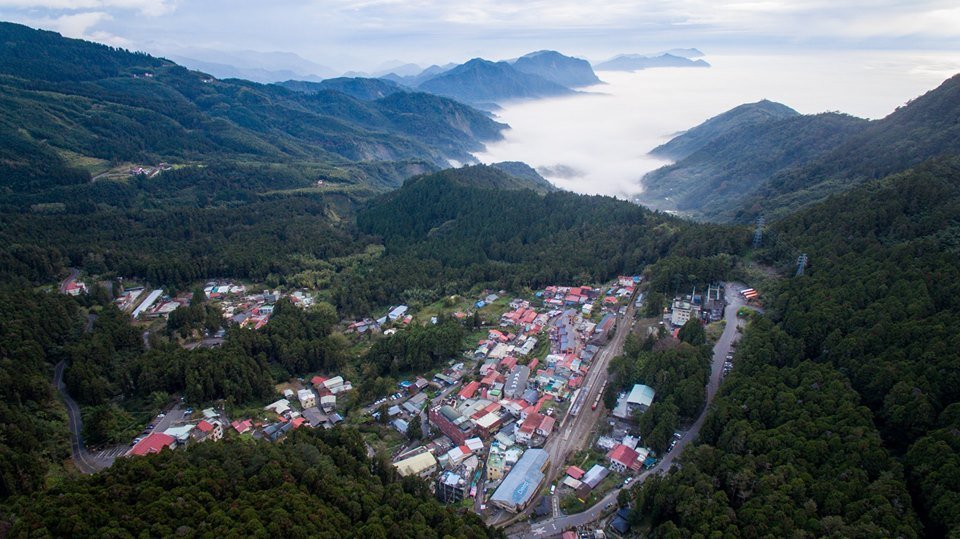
(85, 461)
(557, 526)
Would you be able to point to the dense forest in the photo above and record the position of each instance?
(451, 231)
(33, 333)
(843, 400)
(315, 484)
(786, 451)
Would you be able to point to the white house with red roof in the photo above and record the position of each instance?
(622, 458)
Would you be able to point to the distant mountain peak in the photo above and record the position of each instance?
(558, 68)
(636, 62)
(479, 81)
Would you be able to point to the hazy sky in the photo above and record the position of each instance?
(362, 34)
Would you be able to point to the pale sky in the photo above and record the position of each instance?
(363, 34)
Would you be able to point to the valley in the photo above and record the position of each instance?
(235, 308)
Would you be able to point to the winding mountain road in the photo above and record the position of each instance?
(556, 526)
(85, 461)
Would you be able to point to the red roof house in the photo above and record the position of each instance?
(204, 427)
(469, 390)
(242, 426)
(622, 457)
(575, 472)
(154, 442)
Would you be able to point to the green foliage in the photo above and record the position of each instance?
(693, 333)
(786, 451)
(794, 446)
(679, 377)
(412, 350)
(111, 363)
(882, 303)
(452, 231)
(315, 484)
(33, 331)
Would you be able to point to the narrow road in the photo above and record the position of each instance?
(556, 526)
(85, 461)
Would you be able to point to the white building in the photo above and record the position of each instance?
(307, 398)
(683, 311)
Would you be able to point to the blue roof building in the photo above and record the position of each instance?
(517, 489)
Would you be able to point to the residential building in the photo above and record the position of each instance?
(595, 475)
(622, 458)
(516, 382)
(640, 398)
(209, 430)
(451, 487)
(423, 465)
(495, 464)
(279, 407)
(450, 422)
(307, 398)
(328, 403)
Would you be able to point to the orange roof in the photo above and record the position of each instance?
(203, 426)
(297, 422)
(469, 389)
(153, 443)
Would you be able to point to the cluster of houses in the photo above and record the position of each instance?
(211, 428)
(313, 406)
(316, 406)
(148, 171)
(251, 310)
(529, 368)
(704, 307)
(153, 304)
(399, 314)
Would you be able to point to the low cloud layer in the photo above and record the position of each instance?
(598, 143)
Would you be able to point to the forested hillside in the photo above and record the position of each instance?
(315, 484)
(726, 167)
(84, 101)
(747, 115)
(33, 333)
(864, 351)
(778, 167)
(451, 231)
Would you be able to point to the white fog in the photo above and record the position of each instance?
(597, 143)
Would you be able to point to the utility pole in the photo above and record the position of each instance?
(801, 264)
(758, 233)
